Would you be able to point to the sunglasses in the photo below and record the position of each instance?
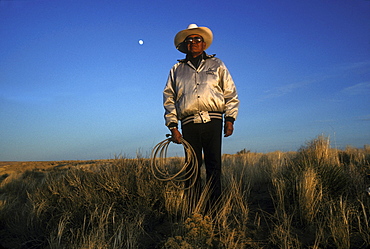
(196, 39)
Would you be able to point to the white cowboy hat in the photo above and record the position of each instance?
(193, 29)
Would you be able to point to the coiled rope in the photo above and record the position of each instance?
(161, 166)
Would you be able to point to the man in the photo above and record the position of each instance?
(199, 92)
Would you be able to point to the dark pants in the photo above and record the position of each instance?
(206, 138)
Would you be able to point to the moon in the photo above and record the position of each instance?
(141, 42)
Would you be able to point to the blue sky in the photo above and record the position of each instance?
(75, 84)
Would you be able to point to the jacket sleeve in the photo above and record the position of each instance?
(230, 95)
(169, 101)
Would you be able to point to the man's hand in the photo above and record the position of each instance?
(228, 128)
(176, 136)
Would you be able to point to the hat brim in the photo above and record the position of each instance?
(205, 32)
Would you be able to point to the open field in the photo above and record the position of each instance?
(20, 167)
(313, 198)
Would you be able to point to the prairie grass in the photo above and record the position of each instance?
(313, 198)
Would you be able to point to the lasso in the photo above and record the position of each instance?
(161, 171)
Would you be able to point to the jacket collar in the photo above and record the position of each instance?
(205, 56)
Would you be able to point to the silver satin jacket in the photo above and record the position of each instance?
(190, 91)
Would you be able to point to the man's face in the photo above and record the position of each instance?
(195, 46)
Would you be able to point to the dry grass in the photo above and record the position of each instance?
(309, 195)
(312, 198)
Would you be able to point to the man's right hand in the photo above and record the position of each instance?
(176, 136)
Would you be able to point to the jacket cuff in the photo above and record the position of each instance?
(230, 119)
(172, 125)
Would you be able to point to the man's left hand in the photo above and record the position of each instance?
(228, 128)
